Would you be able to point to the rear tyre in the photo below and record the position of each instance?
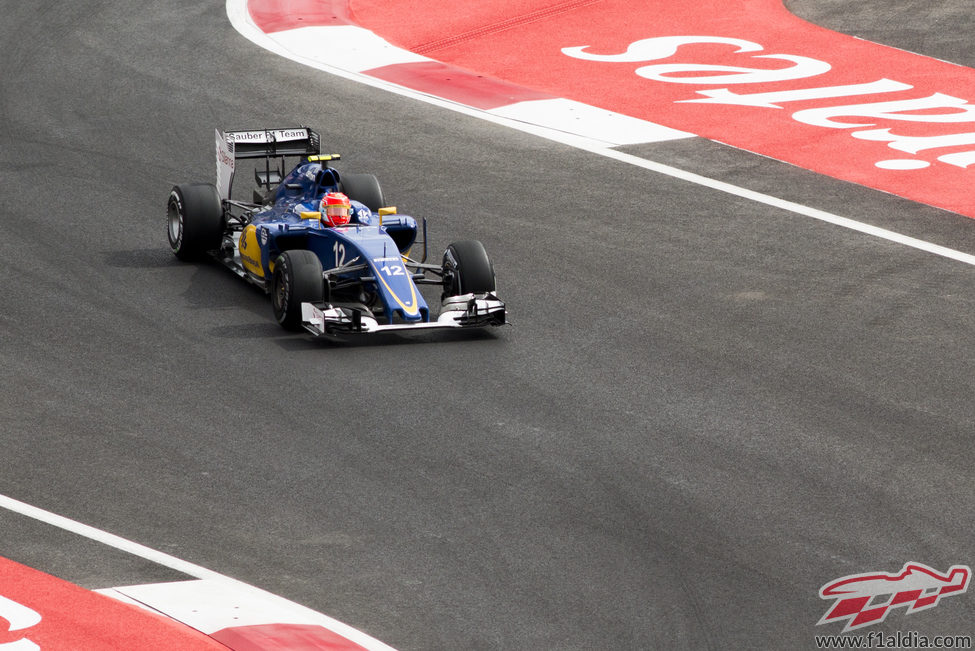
(195, 220)
(467, 269)
(364, 188)
(297, 279)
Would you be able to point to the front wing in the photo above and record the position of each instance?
(465, 311)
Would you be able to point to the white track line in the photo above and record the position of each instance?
(239, 18)
(224, 587)
(109, 539)
(790, 206)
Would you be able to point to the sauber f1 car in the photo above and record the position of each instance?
(333, 256)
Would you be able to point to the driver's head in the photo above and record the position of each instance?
(336, 209)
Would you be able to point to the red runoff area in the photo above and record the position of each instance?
(848, 108)
(53, 614)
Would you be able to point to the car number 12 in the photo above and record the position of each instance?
(394, 270)
(339, 250)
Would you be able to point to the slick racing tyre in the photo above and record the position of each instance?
(365, 189)
(467, 269)
(195, 220)
(297, 279)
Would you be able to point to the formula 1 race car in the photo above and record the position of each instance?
(334, 257)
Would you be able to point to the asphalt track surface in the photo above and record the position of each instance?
(706, 409)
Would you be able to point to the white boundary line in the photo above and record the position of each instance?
(239, 18)
(225, 585)
(109, 539)
(790, 206)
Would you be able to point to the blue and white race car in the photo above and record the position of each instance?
(334, 257)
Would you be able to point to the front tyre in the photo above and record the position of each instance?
(297, 279)
(467, 269)
(195, 220)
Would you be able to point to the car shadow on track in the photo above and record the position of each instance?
(140, 259)
(302, 342)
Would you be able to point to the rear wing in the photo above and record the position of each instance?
(272, 143)
(262, 143)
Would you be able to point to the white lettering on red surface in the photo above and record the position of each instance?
(774, 98)
(937, 108)
(653, 49)
(894, 110)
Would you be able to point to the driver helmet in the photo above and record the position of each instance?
(336, 209)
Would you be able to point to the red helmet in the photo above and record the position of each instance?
(336, 209)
